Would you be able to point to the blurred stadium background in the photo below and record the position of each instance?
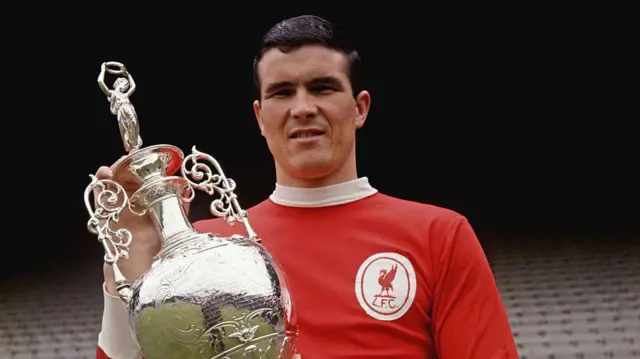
(565, 301)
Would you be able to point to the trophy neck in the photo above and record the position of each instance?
(170, 218)
(164, 198)
(160, 195)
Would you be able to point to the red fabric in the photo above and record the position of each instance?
(457, 311)
(100, 354)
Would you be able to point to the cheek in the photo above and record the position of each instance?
(344, 127)
(273, 134)
(272, 123)
(344, 138)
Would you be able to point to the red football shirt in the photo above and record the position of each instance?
(383, 278)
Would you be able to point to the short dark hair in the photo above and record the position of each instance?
(298, 31)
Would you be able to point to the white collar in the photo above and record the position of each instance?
(323, 196)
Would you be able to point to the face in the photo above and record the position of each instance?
(308, 114)
(122, 85)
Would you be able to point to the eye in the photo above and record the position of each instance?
(324, 89)
(282, 93)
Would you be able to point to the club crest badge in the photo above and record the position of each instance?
(386, 286)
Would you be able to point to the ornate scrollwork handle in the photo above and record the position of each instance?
(110, 200)
(201, 176)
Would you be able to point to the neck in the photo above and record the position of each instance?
(347, 172)
(324, 196)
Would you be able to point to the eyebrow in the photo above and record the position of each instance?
(277, 86)
(329, 80)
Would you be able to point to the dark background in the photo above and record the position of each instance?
(517, 118)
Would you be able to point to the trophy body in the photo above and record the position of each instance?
(205, 296)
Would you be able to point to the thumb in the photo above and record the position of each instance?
(103, 172)
(117, 162)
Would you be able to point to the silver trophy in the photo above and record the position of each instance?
(205, 296)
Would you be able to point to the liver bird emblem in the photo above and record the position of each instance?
(386, 280)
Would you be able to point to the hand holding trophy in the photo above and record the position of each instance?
(204, 296)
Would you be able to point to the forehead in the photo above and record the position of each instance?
(302, 64)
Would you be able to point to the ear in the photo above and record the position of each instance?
(257, 111)
(363, 103)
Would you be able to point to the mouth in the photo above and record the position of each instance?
(306, 134)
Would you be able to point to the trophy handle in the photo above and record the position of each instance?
(110, 200)
(201, 176)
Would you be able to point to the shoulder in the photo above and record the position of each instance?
(444, 235)
(434, 229)
(447, 234)
(417, 212)
(221, 227)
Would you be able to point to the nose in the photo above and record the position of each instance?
(303, 108)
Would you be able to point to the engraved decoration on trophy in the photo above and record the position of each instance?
(205, 295)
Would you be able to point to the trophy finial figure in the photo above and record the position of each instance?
(120, 104)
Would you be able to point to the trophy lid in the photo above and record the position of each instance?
(132, 170)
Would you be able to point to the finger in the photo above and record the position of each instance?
(104, 172)
(116, 162)
(127, 183)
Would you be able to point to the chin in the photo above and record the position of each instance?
(311, 168)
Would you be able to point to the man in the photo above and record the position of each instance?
(372, 276)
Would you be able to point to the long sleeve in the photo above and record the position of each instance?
(116, 340)
(469, 318)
